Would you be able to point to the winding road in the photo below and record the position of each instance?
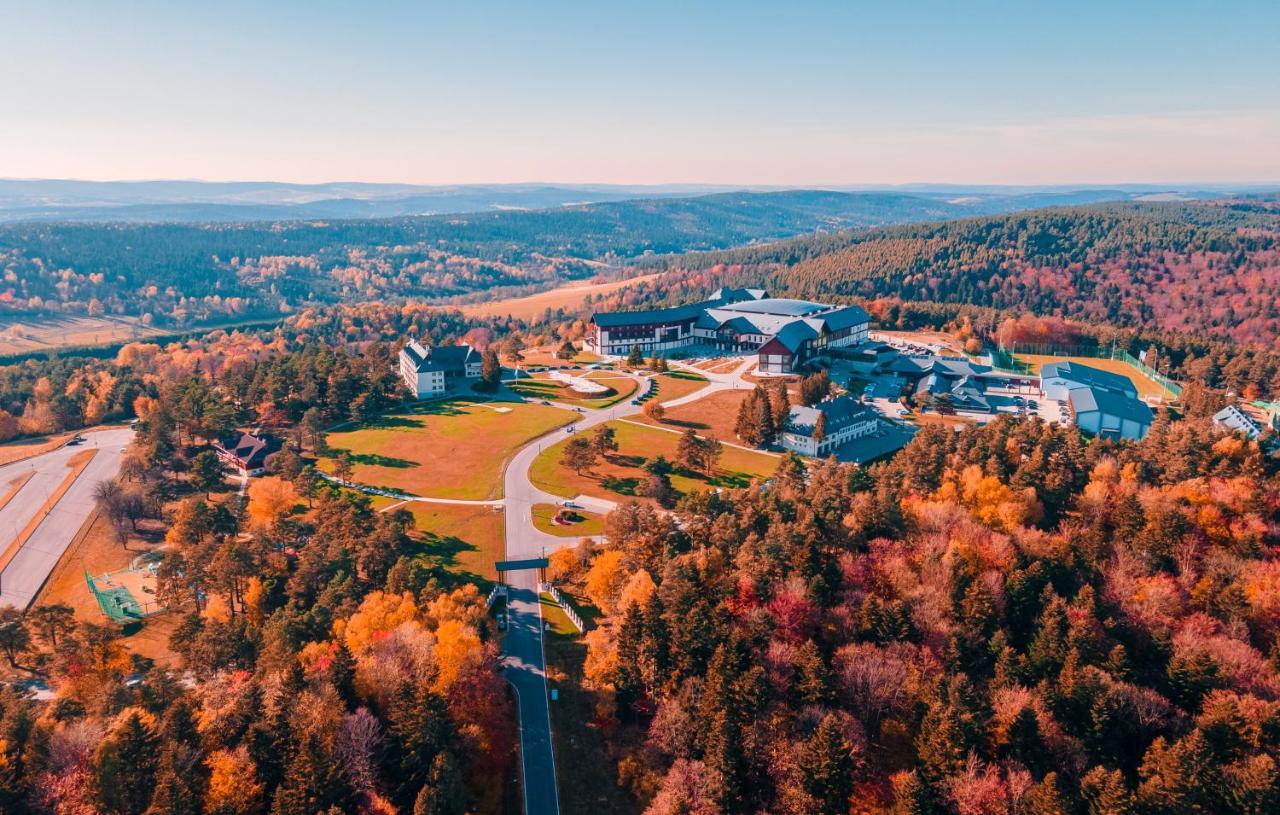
(524, 654)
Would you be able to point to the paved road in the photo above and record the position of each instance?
(523, 650)
(30, 567)
(523, 653)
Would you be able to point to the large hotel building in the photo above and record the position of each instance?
(785, 333)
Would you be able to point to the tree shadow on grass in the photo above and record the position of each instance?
(730, 480)
(686, 375)
(622, 486)
(391, 423)
(686, 424)
(441, 553)
(379, 460)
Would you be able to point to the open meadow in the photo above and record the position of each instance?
(451, 449)
(619, 474)
(570, 298)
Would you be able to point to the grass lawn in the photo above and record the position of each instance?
(674, 384)
(542, 386)
(1145, 386)
(620, 474)
(464, 540)
(547, 356)
(713, 415)
(454, 449)
(591, 523)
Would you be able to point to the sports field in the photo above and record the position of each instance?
(1146, 387)
(620, 474)
(453, 449)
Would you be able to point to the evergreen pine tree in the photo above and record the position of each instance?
(826, 764)
(628, 683)
(125, 765)
(443, 793)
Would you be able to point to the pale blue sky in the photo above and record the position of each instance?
(795, 93)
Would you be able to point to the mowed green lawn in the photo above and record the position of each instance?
(465, 540)
(454, 449)
(541, 386)
(619, 475)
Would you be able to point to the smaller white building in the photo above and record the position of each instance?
(844, 418)
(1110, 414)
(1240, 420)
(426, 371)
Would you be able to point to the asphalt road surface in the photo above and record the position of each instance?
(27, 572)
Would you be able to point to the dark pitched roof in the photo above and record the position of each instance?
(845, 317)
(675, 314)
(839, 413)
(1086, 375)
(1085, 399)
(249, 449)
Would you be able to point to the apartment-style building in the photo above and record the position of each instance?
(428, 371)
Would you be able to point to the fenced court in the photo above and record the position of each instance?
(127, 595)
(1028, 358)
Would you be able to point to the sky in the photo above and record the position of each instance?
(595, 91)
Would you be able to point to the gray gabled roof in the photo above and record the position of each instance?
(1085, 399)
(840, 412)
(1086, 375)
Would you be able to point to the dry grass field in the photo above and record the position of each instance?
(618, 475)
(570, 298)
(675, 384)
(465, 540)
(713, 415)
(547, 356)
(26, 448)
(590, 523)
(1146, 387)
(453, 449)
(18, 337)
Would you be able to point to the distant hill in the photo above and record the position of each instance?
(200, 201)
(185, 273)
(1210, 268)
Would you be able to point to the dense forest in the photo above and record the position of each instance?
(1002, 620)
(1206, 268)
(184, 274)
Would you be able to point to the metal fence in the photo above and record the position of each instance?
(1006, 359)
(554, 594)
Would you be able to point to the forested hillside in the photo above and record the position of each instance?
(184, 274)
(1211, 269)
(1003, 620)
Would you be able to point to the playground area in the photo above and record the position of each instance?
(126, 595)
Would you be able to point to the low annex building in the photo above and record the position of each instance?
(1102, 402)
(833, 422)
(246, 453)
(786, 333)
(426, 371)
